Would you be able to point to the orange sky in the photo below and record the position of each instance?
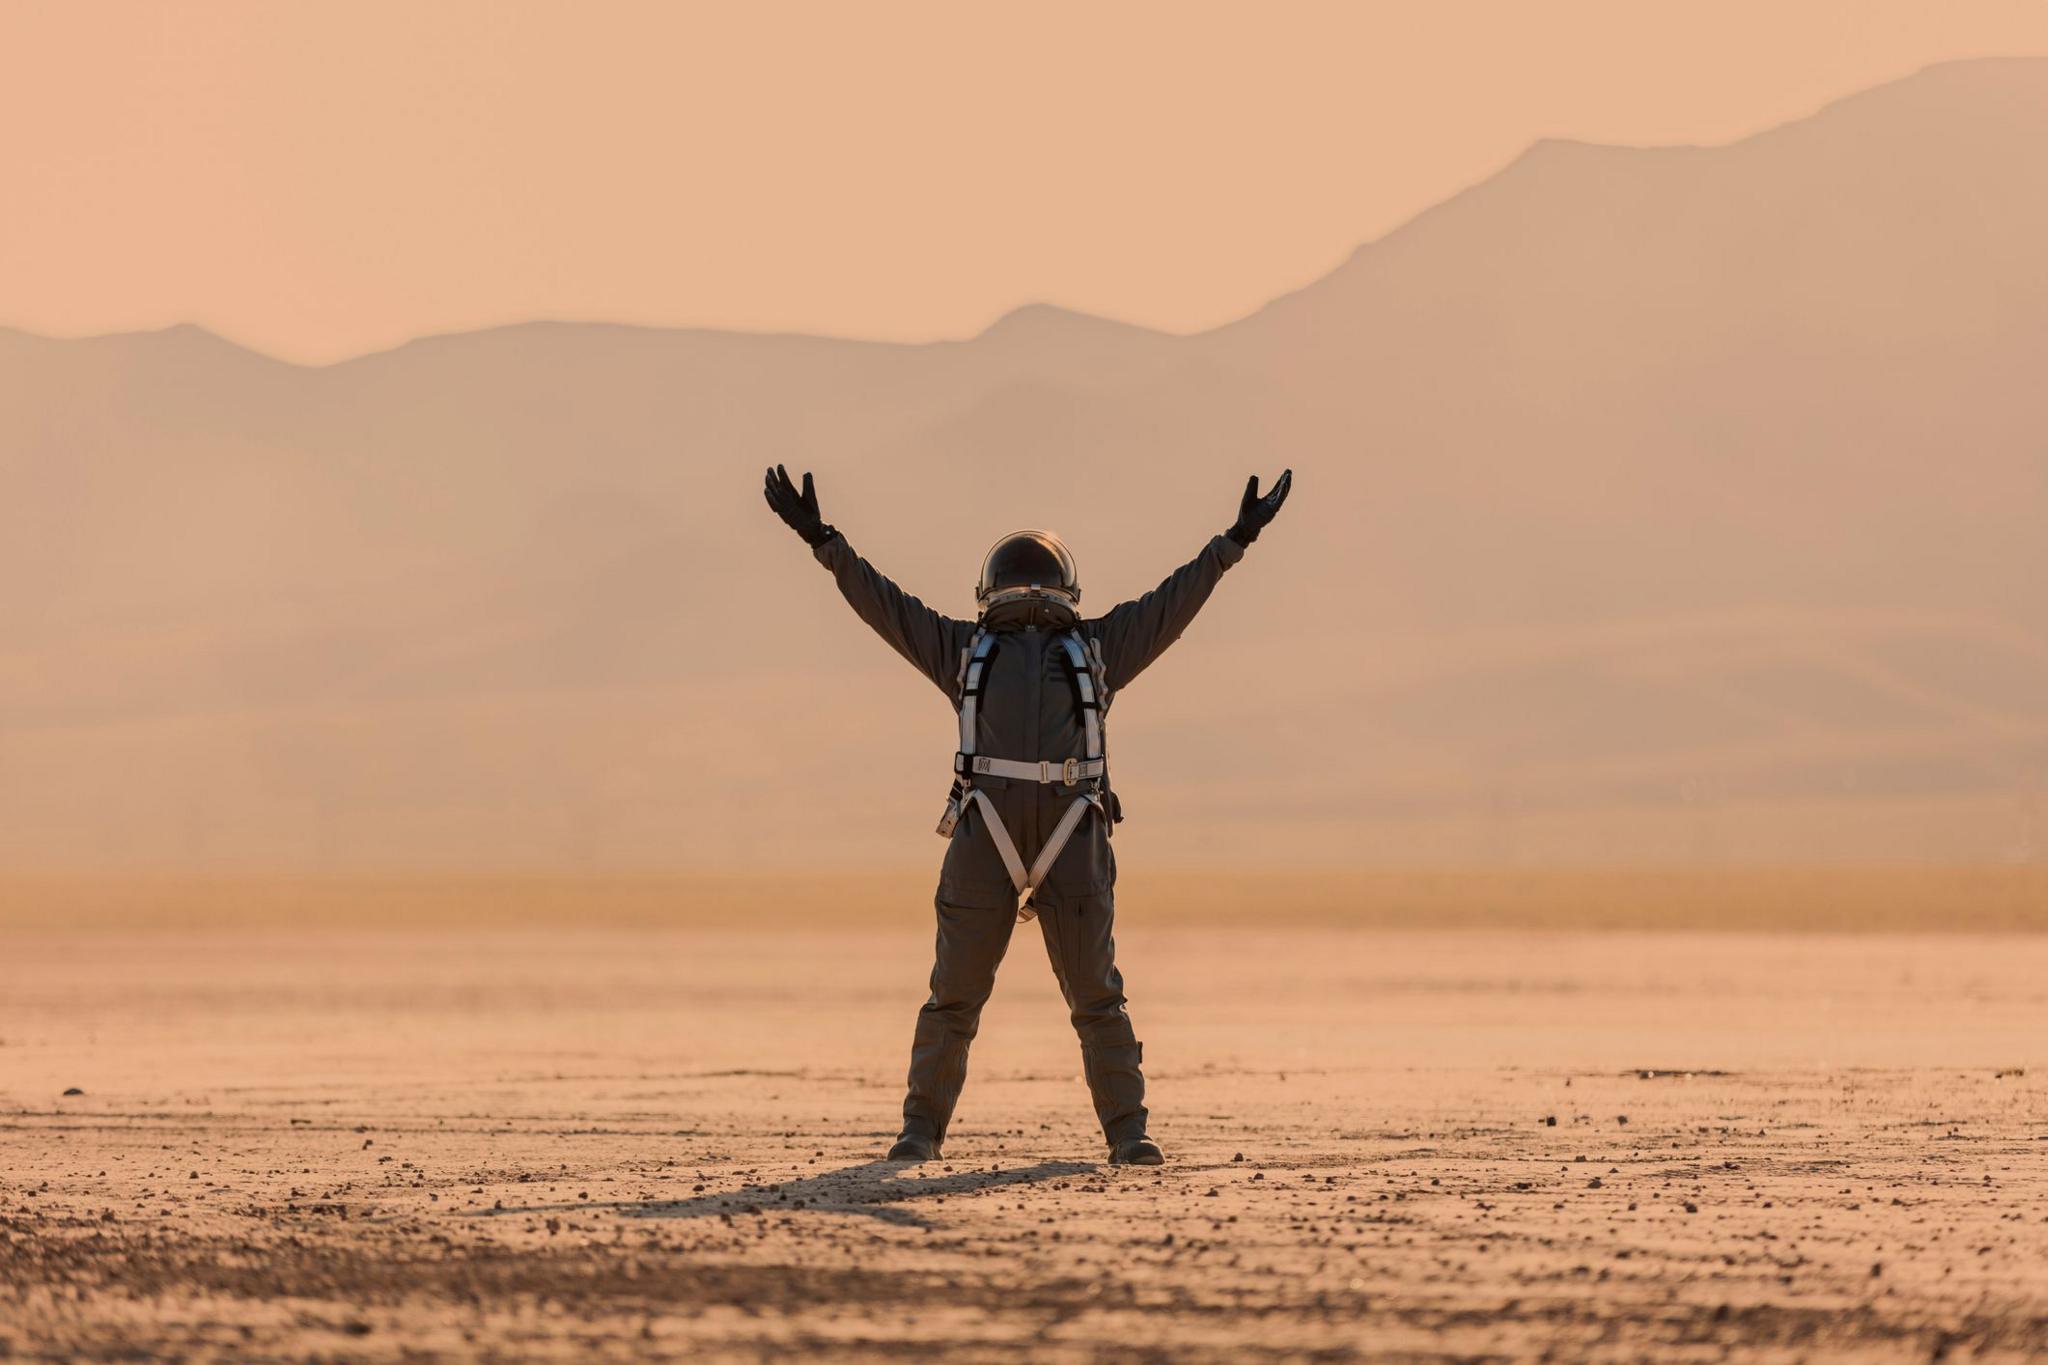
(320, 179)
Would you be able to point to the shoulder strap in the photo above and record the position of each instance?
(966, 654)
(1103, 690)
(1080, 671)
(974, 661)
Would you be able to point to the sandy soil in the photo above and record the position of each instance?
(617, 1143)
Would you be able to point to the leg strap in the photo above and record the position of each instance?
(1028, 882)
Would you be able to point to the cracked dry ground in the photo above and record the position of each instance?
(1384, 1146)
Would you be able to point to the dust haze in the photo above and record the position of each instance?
(1666, 505)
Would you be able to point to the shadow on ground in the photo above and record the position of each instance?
(874, 1189)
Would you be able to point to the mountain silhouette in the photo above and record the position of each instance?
(1677, 502)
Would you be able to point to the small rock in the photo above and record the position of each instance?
(74, 1090)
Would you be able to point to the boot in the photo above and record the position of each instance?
(1137, 1151)
(916, 1144)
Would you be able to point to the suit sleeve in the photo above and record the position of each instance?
(931, 642)
(1135, 633)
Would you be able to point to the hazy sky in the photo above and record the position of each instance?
(319, 179)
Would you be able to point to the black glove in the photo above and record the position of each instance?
(1255, 513)
(799, 511)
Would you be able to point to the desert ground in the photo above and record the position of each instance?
(442, 1141)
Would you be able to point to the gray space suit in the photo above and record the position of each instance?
(1031, 683)
(1027, 712)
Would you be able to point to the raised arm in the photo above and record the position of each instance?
(931, 642)
(1135, 633)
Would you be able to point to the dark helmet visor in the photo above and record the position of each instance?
(1029, 559)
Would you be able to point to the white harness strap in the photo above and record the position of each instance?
(1027, 881)
(1086, 665)
(973, 668)
(1084, 683)
(1046, 771)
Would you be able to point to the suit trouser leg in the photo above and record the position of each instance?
(1080, 941)
(971, 944)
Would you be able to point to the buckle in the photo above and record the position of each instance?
(1071, 771)
(1044, 770)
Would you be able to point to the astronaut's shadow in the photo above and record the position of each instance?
(872, 1189)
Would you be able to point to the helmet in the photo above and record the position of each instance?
(1031, 568)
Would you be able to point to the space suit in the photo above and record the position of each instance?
(1029, 816)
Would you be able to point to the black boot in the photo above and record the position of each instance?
(1137, 1151)
(916, 1144)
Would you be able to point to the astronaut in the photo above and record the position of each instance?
(1031, 808)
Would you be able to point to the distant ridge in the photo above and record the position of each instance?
(1652, 505)
(1044, 319)
(1983, 80)
(186, 336)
